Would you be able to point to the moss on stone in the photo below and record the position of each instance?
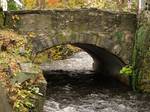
(141, 56)
(119, 35)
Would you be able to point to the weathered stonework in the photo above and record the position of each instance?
(142, 53)
(110, 30)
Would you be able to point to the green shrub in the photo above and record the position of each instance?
(127, 70)
(12, 5)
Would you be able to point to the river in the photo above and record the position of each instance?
(79, 90)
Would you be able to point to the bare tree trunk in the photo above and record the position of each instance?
(40, 4)
(141, 5)
(3, 4)
(121, 4)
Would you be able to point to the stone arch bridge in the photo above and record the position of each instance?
(107, 36)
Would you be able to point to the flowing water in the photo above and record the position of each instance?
(82, 91)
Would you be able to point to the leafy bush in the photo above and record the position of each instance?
(56, 53)
(127, 70)
(12, 5)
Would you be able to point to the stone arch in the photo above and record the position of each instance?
(105, 61)
(65, 37)
(102, 40)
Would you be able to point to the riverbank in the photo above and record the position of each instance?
(22, 81)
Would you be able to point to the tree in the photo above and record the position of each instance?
(4, 4)
(141, 5)
(29, 4)
(40, 4)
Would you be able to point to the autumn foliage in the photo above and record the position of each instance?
(53, 2)
(120, 5)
